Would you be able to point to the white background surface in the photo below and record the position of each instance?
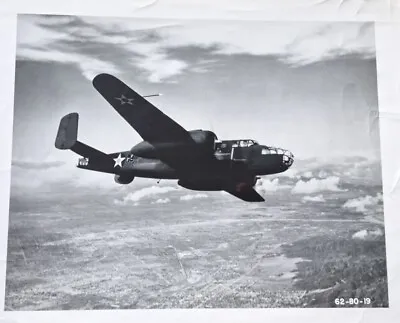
(385, 12)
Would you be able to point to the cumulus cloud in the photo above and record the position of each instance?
(317, 185)
(190, 197)
(317, 198)
(145, 192)
(307, 174)
(162, 201)
(322, 174)
(360, 204)
(270, 185)
(367, 234)
(291, 172)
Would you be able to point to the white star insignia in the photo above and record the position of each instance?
(124, 100)
(118, 161)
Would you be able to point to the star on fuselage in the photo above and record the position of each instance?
(124, 100)
(118, 161)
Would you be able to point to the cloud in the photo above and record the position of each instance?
(307, 174)
(159, 67)
(37, 164)
(36, 45)
(367, 234)
(291, 172)
(322, 174)
(360, 204)
(145, 192)
(162, 201)
(317, 185)
(318, 198)
(96, 45)
(294, 43)
(190, 197)
(267, 185)
(114, 45)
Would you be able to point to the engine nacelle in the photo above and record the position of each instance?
(204, 139)
(123, 179)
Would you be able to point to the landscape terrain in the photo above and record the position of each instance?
(318, 237)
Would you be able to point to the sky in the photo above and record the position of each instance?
(307, 87)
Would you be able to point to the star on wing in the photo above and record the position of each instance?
(118, 161)
(124, 100)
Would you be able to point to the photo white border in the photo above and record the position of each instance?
(388, 66)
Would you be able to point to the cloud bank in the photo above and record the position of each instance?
(145, 192)
(113, 45)
(317, 198)
(362, 203)
(190, 197)
(317, 185)
(162, 201)
(26, 164)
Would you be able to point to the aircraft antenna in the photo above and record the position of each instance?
(150, 95)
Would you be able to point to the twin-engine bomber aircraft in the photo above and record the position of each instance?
(197, 159)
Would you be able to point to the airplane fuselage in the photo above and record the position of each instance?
(224, 164)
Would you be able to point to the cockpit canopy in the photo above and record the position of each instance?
(244, 143)
(227, 145)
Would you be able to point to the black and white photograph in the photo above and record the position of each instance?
(171, 163)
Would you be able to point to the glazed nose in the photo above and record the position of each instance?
(287, 158)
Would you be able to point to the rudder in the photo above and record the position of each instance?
(67, 134)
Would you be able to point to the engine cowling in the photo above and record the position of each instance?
(205, 139)
(123, 179)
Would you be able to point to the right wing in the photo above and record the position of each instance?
(151, 124)
(246, 193)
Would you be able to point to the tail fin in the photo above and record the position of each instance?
(67, 134)
(67, 138)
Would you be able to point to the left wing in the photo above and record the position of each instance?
(151, 124)
(246, 193)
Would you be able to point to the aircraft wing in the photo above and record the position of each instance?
(248, 194)
(151, 124)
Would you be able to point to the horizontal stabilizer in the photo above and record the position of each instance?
(90, 152)
(67, 131)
